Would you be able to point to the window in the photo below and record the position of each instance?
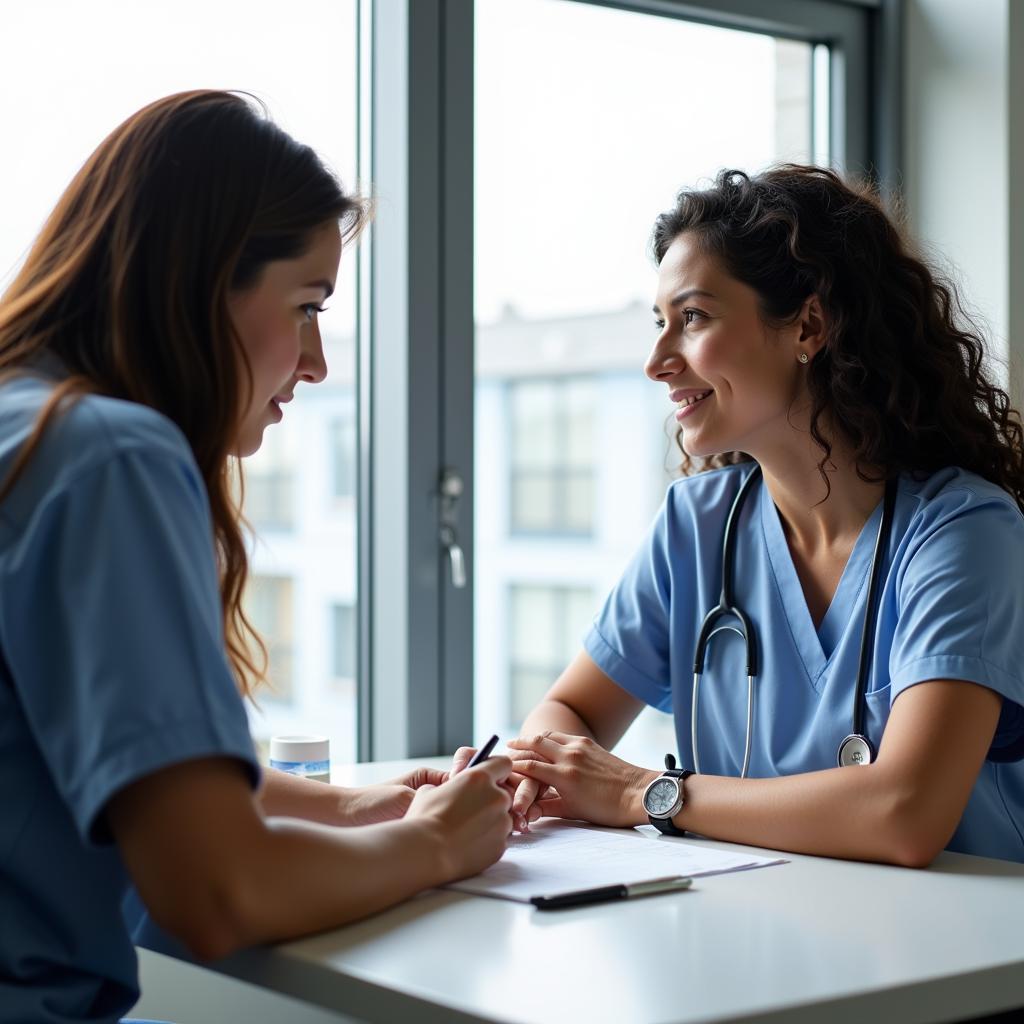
(269, 604)
(270, 484)
(104, 60)
(344, 644)
(546, 625)
(552, 430)
(581, 140)
(343, 457)
(520, 150)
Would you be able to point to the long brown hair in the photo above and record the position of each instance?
(128, 281)
(902, 375)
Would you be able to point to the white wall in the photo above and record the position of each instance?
(964, 152)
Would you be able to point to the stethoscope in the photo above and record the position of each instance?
(855, 748)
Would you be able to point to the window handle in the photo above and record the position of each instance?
(455, 556)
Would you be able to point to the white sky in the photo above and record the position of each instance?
(588, 119)
(70, 71)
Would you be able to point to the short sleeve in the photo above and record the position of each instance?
(111, 625)
(961, 609)
(629, 639)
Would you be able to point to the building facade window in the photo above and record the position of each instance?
(269, 604)
(546, 629)
(343, 456)
(270, 484)
(344, 647)
(552, 456)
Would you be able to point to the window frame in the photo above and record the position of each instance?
(415, 376)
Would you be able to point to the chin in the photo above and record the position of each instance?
(249, 445)
(696, 450)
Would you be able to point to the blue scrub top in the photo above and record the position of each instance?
(952, 607)
(112, 666)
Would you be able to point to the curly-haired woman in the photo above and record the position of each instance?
(876, 556)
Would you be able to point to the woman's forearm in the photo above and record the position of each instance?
(291, 796)
(862, 813)
(553, 714)
(901, 809)
(308, 878)
(219, 876)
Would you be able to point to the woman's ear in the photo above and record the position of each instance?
(813, 329)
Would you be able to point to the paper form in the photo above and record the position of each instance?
(561, 856)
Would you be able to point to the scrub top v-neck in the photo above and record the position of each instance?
(949, 607)
(846, 610)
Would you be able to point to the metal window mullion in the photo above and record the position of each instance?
(458, 360)
(399, 389)
(364, 396)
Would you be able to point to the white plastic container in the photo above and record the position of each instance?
(308, 756)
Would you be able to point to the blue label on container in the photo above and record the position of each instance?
(302, 767)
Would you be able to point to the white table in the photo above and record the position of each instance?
(809, 941)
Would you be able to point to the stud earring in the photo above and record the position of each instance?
(803, 357)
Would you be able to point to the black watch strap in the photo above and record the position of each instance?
(664, 825)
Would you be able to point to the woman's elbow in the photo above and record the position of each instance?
(211, 924)
(913, 834)
(913, 852)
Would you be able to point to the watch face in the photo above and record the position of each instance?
(661, 797)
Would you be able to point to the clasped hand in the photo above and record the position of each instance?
(563, 776)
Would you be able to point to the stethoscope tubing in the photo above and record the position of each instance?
(728, 608)
(867, 637)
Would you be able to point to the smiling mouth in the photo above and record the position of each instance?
(692, 400)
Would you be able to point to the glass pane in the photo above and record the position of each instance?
(526, 687)
(534, 428)
(104, 60)
(534, 626)
(533, 502)
(270, 483)
(579, 146)
(542, 617)
(344, 646)
(579, 611)
(578, 498)
(269, 602)
(343, 456)
(580, 412)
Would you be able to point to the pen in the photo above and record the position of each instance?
(483, 753)
(674, 883)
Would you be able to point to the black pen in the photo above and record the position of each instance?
(674, 883)
(483, 753)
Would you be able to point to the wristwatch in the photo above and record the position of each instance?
(663, 798)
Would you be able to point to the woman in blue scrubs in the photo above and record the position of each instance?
(161, 321)
(802, 340)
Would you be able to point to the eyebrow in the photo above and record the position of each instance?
(325, 284)
(682, 296)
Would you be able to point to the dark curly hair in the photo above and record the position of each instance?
(902, 375)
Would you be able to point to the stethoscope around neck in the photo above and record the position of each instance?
(856, 748)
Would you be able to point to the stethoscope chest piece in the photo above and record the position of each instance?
(855, 749)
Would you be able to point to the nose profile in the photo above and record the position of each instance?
(665, 360)
(312, 366)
